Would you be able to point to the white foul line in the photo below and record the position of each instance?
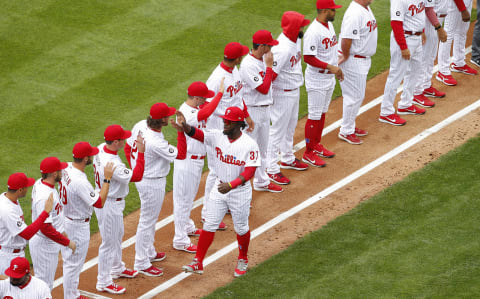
(169, 219)
(319, 196)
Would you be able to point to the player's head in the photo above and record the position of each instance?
(263, 40)
(233, 53)
(83, 153)
(19, 271)
(293, 23)
(159, 115)
(18, 184)
(115, 137)
(233, 121)
(326, 10)
(51, 167)
(198, 92)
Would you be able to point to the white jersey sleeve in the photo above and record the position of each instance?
(351, 26)
(398, 9)
(13, 222)
(280, 59)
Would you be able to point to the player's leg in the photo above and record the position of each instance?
(105, 251)
(476, 39)
(44, 253)
(292, 99)
(430, 50)
(412, 74)
(353, 91)
(444, 48)
(459, 41)
(279, 114)
(118, 266)
(210, 181)
(316, 99)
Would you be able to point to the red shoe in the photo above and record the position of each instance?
(392, 119)
(241, 268)
(152, 271)
(422, 100)
(352, 138)
(413, 110)
(322, 151)
(446, 79)
(195, 233)
(271, 187)
(159, 257)
(296, 164)
(82, 297)
(194, 267)
(360, 132)
(433, 92)
(222, 226)
(188, 248)
(127, 273)
(279, 178)
(312, 159)
(463, 69)
(112, 289)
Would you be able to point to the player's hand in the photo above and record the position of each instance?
(224, 188)
(140, 142)
(442, 35)
(406, 54)
(3, 277)
(341, 59)
(465, 16)
(222, 85)
(72, 246)
(65, 234)
(108, 171)
(176, 126)
(250, 123)
(336, 70)
(268, 58)
(424, 38)
(49, 204)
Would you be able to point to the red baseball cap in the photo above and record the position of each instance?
(200, 89)
(161, 110)
(327, 4)
(84, 149)
(116, 132)
(19, 266)
(52, 164)
(234, 114)
(234, 50)
(19, 180)
(264, 37)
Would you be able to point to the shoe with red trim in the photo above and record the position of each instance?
(392, 119)
(296, 164)
(312, 159)
(279, 178)
(112, 289)
(195, 233)
(159, 257)
(352, 138)
(413, 110)
(446, 79)
(241, 268)
(466, 69)
(433, 92)
(152, 271)
(360, 132)
(271, 187)
(127, 273)
(322, 151)
(222, 226)
(188, 248)
(422, 100)
(82, 297)
(194, 267)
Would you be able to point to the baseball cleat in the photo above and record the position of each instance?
(360, 132)
(127, 273)
(466, 69)
(322, 151)
(352, 138)
(194, 267)
(446, 79)
(312, 159)
(187, 248)
(159, 257)
(433, 92)
(392, 119)
(82, 297)
(413, 110)
(271, 187)
(296, 164)
(195, 233)
(422, 100)
(279, 178)
(112, 289)
(475, 61)
(241, 269)
(152, 271)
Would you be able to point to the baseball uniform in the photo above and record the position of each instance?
(34, 289)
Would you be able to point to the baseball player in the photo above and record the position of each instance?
(457, 23)
(320, 54)
(110, 216)
(78, 199)
(14, 233)
(257, 74)
(151, 189)
(188, 172)
(475, 59)
(287, 79)
(21, 284)
(236, 159)
(233, 96)
(406, 39)
(45, 246)
(358, 43)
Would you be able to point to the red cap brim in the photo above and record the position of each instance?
(95, 150)
(245, 50)
(305, 22)
(171, 111)
(12, 274)
(210, 94)
(63, 165)
(126, 134)
(337, 6)
(30, 182)
(273, 43)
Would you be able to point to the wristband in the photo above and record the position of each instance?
(230, 185)
(106, 181)
(438, 27)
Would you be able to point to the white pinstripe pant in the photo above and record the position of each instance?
(261, 118)
(6, 257)
(44, 253)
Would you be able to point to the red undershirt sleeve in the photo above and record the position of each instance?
(128, 150)
(432, 16)
(208, 109)
(399, 34)
(267, 81)
(247, 173)
(275, 75)
(245, 110)
(139, 167)
(98, 203)
(48, 230)
(460, 5)
(33, 228)
(181, 146)
(313, 61)
(198, 135)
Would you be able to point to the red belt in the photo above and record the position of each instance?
(290, 89)
(323, 71)
(118, 199)
(86, 219)
(442, 15)
(359, 56)
(413, 33)
(16, 250)
(195, 157)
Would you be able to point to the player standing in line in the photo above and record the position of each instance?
(476, 39)
(320, 54)
(78, 199)
(406, 39)
(287, 79)
(358, 43)
(188, 172)
(110, 216)
(257, 74)
(45, 246)
(21, 284)
(236, 159)
(457, 23)
(14, 233)
(151, 189)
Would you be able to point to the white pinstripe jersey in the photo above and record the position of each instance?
(121, 176)
(158, 152)
(287, 63)
(441, 6)
(252, 71)
(194, 147)
(11, 224)
(410, 12)
(76, 194)
(322, 42)
(40, 193)
(452, 7)
(231, 158)
(35, 289)
(360, 26)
